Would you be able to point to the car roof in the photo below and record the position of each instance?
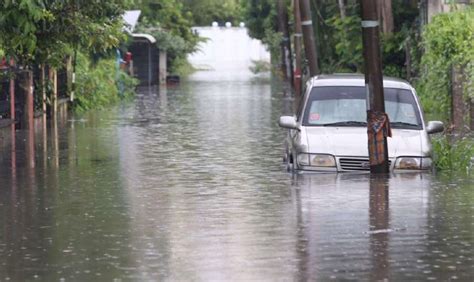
(355, 80)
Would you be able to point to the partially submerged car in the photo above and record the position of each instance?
(329, 131)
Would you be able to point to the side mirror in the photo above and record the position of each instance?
(288, 122)
(434, 127)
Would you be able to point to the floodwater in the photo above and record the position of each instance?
(187, 184)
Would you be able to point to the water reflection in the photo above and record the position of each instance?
(186, 183)
(379, 214)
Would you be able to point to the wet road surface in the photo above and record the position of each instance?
(187, 184)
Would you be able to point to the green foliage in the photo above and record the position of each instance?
(181, 66)
(347, 37)
(260, 66)
(448, 41)
(96, 84)
(260, 17)
(19, 22)
(261, 21)
(170, 24)
(453, 155)
(35, 31)
(204, 12)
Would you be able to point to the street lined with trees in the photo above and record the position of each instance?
(434, 53)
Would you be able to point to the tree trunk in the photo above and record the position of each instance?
(408, 60)
(386, 15)
(53, 77)
(342, 8)
(26, 91)
(471, 113)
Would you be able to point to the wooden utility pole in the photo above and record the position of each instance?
(287, 66)
(298, 35)
(308, 37)
(378, 125)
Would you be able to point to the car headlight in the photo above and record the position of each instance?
(317, 160)
(413, 163)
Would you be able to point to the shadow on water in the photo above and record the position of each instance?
(186, 183)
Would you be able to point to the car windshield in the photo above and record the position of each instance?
(346, 106)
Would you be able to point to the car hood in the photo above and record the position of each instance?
(352, 141)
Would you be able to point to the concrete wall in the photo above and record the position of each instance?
(227, 48)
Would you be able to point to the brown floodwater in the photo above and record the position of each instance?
(187, 183)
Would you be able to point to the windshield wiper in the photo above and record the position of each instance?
(401, 124)
(346, 123)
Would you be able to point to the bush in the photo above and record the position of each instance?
(453, 155)
(448, 41)
(100, 84)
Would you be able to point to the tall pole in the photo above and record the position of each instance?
(308, 37)
(285, 44)
(298, 35)
(378, 125)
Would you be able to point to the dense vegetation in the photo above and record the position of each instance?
(46, 32)
(412, 49)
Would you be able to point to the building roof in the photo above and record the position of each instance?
(131, 18)
(143, 37)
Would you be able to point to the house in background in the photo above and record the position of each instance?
(148, 61)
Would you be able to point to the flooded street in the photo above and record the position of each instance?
(187, 183)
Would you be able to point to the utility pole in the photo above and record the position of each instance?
(298, 35)
(308, 37)
(378, 125)
(287, 66)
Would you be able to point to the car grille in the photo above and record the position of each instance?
(355, 164)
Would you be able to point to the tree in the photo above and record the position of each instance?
(168, 22)
(386, 15)
(204, 12)
(44, 31)
(262, 23)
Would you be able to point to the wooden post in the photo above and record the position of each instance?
(378, 150)
(285, 44)
(298, 36)
(43, 88)
(53, 77)
(308, 37)
(459, 108)
(12, 93)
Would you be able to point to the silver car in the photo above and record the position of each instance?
(329, 131)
